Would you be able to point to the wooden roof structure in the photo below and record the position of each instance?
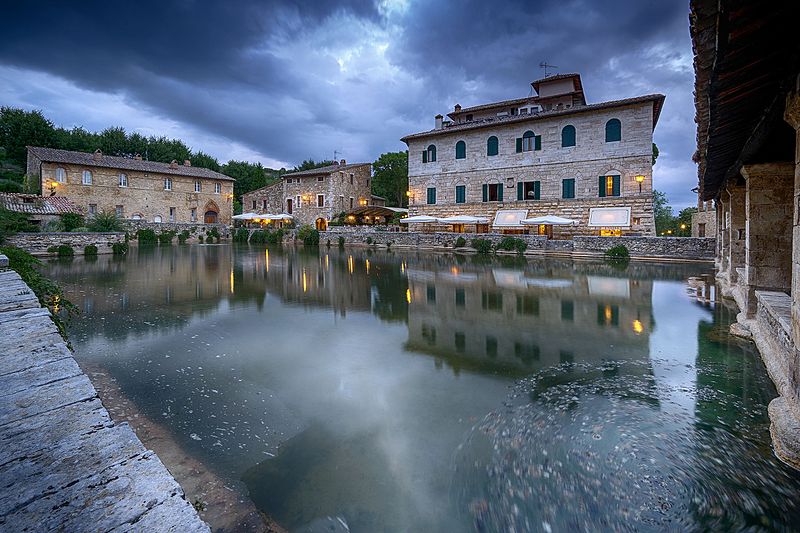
(746, 59)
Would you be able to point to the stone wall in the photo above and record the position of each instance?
(195, 229)
(38, 243)
(704, 221)
(420, 239)
(673, 247)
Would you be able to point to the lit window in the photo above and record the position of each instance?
(87, 177)
(609, 186)
(123, 180)
(218, 188)
(61, 175)
(198, 187)
(167, 184)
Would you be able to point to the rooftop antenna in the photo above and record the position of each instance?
(336, 154)
(545, 65)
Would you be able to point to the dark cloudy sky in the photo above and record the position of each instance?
(281, 81)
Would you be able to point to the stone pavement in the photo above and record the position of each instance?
(64, 464)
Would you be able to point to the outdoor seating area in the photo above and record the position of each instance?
(507, 221)
(262, 219)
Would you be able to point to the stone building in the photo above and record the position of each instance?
(549, 154)
(747, 98)
(315, 196)
(40, 209)
(704, 220)
(134, 188)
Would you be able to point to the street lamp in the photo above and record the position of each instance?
(639, 180)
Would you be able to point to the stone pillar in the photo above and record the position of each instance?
(736, 229)
(770, 212)
(792, 116)
(723, 235)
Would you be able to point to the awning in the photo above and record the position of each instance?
(547, 219)
(246, 216)
(376, 211)
(510, 218)
(419, 219)
(282, 216)
(464, 219)
(610, 217)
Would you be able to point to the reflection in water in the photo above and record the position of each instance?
(420, 392)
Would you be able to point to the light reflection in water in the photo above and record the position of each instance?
(370, 387)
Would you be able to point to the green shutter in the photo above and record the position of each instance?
(615, 186)
(500, 192)
(602, 184)
(537, 190)
(568, 188)
(538, 142)
(519, 144)
(485, 192)
(461, 195)
(424, 156)
(520, 191)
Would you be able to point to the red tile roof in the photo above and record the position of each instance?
(33, 204)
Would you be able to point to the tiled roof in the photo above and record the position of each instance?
(323, 170)
(657, 99)
(481, 107)
(555, 77)
(54, 155)
(33, 204)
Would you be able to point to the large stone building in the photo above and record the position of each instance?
(549, 154)
(747, 98)
(315, 196)
(134, 188)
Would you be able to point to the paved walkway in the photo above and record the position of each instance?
(64, 465)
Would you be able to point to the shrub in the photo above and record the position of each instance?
(482, 246)
(241, 235)
(259, 237)
(165, 237)
(183, 237)
(619, 251)
(81, 229)
(341, 242)
(308, 235)
(71, 221)
(119, 248)
(105, 221)
(12, 222)
(369, 240)
(65, 250)
(146, 236)
(90, 249)
(512, 243)
(213, 233)
(460, 242)
(200, 238)
(51, 226)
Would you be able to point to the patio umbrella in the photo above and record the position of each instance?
(419, 219)
(547, 219)
(245, 216)
(464, 219)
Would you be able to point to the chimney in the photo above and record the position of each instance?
(173, 164)
(457, 108)
(187, 163)
(137, 156)
(98, 155)
(439, 122)
(343, 162)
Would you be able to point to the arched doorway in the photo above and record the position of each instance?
(211, 213)
(322, 224)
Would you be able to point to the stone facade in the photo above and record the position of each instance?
(548, 162)
(704, 221)
(314, 196)
(38, 243)
(156, 192)
(133, 226)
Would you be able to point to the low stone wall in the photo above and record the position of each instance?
(195, 229)
(38, 243)
(672, 247)
(416, 239)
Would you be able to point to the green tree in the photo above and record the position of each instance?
(201, 159)
(19, 129)
(114, 141)
(662, 212)
(249, 176)
(683, 223)
(655, 153)
(309, 164)
(390, 178)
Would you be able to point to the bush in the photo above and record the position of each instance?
(308, 235)
(71, 221)
(119, 248)
(90, 249)
(165, 237)
(483, 246)
(62, 250)
(369, 240)
(51, 226)
(146, 236)
(214, 233)
(183, 237)
(511, 244)
(259, 237)
(241, 235)
(619, 251)
(341, 242)
(460, 242)
(105, 221)
(12, 222)
(200, 238)
(81, 229)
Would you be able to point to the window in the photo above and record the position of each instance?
(92, 209)
(263, 204)
(351, 178)
(607, 315)
(198, 187)
(460, 298)
(429, 155)
(492, 301)
(461, 194)
(568, 188)
(527, 353)
(157, 219)
(61, 175)
(431, 195)
(527, 305)
(123, 180)
(492, 192)
(118, 211)
(167, 184)
(567, 310)
(491, 346)
(429, 334)
(568, 136)
(193, 215)
(320, 200)
(608, 186)
(528, 190)
(701, 230)
(320, 178)
(492, 146)
(87, 177)
(254, 204)
(613, 130)
(469, 118)
(298, 201)
(431, 294)
(351, 202)
(460, 341)
(529, 142)
(172, 214)
(218, 188)
(461, 150)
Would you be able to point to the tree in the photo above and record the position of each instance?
(683, 223)
(662, 213)
(19, 129)
(309, 164)
(249, 176)
(390, 178)
(655, 153)
(201, 159)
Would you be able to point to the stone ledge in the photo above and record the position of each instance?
(785, 431)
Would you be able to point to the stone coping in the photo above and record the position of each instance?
(779, 307)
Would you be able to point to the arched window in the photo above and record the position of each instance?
(568, 136)
(491, 146)
(429, 155)
(87, 177)
(528, 141)
(613, 130)
(61, 175)
(461, 150)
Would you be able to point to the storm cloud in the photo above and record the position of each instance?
(280, 81)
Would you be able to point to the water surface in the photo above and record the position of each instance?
(393, 391)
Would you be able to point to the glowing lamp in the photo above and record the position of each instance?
(639, 180)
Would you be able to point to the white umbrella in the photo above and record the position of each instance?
(245, 216)
(282, 216)
(464, 219)
(419, 219)
(547, 219)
